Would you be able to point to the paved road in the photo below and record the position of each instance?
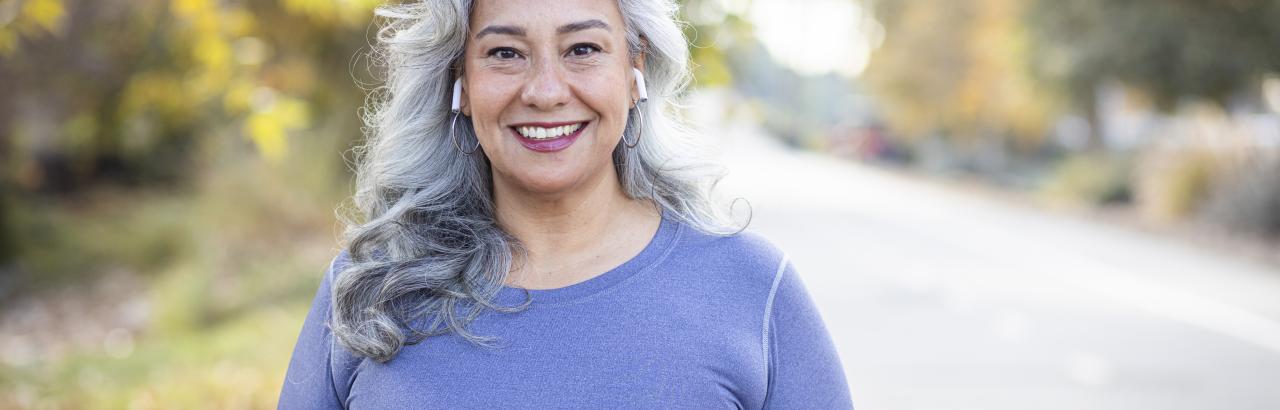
(939, 299)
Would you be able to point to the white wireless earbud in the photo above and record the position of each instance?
(644, 94)
(457, 95)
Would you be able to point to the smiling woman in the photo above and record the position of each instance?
(534, 232)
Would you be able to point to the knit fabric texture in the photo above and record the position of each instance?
(694, 321)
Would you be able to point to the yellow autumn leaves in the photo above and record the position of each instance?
(212, 54)
(27, 18)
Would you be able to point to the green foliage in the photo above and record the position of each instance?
(196, 144)
(974, 68)
(1089, 180)
(51, 230)
(130, 93)
(246, 251)
(236, 364)
(709, 31)
(28, 19)
(1169, 49)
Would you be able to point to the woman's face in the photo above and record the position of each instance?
(547, 85)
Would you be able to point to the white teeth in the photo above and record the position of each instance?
(548, 133)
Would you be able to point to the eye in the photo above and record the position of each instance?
(583, 49)
(504, 53)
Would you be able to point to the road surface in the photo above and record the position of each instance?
(942, 299)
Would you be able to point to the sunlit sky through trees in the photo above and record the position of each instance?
(816, 36)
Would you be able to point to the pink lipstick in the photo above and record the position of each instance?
(548, 144)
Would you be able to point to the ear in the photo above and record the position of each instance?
(638, 64)
(637, 60)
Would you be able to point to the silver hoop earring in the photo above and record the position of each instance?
(639, 129)
(453, 135)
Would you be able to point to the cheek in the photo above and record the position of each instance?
(486, 108)
(606, 97)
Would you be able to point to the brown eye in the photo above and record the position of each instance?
(504, 53)
(583, 50)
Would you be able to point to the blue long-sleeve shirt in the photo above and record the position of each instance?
(694, 321)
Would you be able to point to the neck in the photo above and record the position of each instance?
(571, 232)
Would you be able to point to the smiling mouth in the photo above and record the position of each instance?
(543, 132)
(548, 137)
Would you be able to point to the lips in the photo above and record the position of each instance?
(548, 137)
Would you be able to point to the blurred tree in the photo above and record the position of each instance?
(710, 29)
(127, 90)
(1169, 50)
(961, 66)
(956, 68)
(31, 18)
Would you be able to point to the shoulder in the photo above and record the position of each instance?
(343, 363)
(727, 283)
(320, 371)
(747, 258)
(746, 247)
(339, 263)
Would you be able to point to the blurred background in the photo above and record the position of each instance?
(995, 203)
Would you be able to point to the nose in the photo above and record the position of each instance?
(545, 89)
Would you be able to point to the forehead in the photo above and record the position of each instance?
(538, 14)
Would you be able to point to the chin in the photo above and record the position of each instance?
(547, 182)
(560, 174)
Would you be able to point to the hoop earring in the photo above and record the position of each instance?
(639, 129)
(453, 135)
(456, 108)
(644, 96)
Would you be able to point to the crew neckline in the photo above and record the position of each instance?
(653, 252)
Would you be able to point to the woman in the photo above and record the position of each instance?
(534, 235)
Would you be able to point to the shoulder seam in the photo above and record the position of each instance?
(768, 310)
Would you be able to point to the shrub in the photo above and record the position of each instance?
(1249, 201)
(1088, 180)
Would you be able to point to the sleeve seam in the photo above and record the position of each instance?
(768, 313)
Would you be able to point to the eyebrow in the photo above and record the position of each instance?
(567, 28)
(582, 25)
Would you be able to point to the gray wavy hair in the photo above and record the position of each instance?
(426, 253)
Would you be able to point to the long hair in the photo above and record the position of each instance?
(426, 253)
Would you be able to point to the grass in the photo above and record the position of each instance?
(238, 363)
(227, 269)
